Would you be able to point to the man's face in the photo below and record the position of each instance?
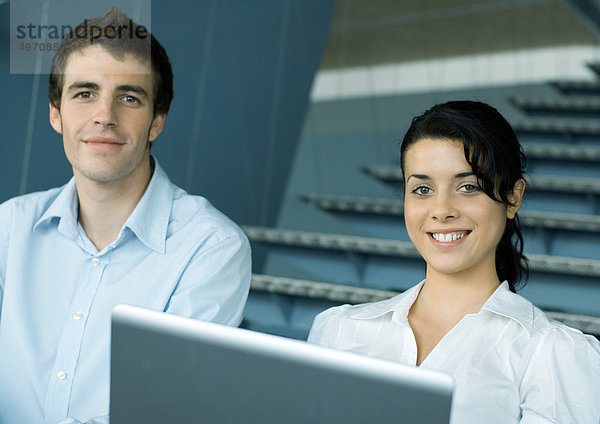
(106, 117)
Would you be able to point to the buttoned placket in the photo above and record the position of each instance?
(407, 353)
(69, 346)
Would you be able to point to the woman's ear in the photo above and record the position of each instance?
(515, 198)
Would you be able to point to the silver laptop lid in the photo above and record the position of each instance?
(169, 369)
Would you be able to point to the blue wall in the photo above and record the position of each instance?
(243, 73)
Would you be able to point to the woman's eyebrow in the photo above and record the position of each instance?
(427, 177)
(419, 177)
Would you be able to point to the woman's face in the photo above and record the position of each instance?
(453, 224)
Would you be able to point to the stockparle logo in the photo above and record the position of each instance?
(39, 26)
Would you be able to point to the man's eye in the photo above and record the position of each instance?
(84, 95)
(130, 99)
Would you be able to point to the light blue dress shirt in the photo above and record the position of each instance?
(175, 253)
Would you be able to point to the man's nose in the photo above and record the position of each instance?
(105, 113)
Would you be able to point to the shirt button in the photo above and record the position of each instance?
(77, 315)
(61, 375)
(95, 261)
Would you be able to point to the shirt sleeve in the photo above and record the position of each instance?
(215, 284)
(5, 218)
(562, 381)
(101, 419)
(326, 327)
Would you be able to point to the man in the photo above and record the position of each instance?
(118, 232)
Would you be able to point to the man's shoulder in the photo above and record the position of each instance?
(30, 204)
(198, 212)
(188, 212)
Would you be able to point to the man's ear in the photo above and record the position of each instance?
(157, 126)
(55, 120)
(516, 197)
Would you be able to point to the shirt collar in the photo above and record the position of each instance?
(148, 221)
(399, 305)
(66, 208)
(501, 302)
(150, 218)
(511, 305)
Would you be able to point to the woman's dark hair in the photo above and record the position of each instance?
(497, 159)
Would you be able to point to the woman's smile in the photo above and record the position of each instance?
(450, 220)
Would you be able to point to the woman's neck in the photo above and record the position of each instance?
(456, 295)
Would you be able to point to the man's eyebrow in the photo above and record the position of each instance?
(82, 84)
(138, 89)
(78, 85)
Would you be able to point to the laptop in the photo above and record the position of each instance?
(170, 369)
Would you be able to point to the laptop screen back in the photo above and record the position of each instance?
(169, 369)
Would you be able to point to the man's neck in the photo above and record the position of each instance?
(104, 207)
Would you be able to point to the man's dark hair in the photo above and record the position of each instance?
(118, 34)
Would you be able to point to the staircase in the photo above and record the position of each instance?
(341, 236)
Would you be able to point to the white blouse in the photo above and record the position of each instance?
(511, 363)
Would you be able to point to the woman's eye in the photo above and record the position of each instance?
(470, 188)
(422, 191)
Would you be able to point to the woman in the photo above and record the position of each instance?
(463, 185)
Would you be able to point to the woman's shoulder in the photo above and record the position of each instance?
(345, 320)
(398, 304)
(344, 314)
(562, 377)
(557, 340)
(549, 332)
(542, 330)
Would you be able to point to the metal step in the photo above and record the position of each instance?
(556, 127)
(576, 105)
(384, 247)
(562, 151)
(325, 241)
(357, 204)
(565, 184)
(594, 67)
(395, 207)
(393, 174)
(582, 88)
(318, 290)
(352, 295)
